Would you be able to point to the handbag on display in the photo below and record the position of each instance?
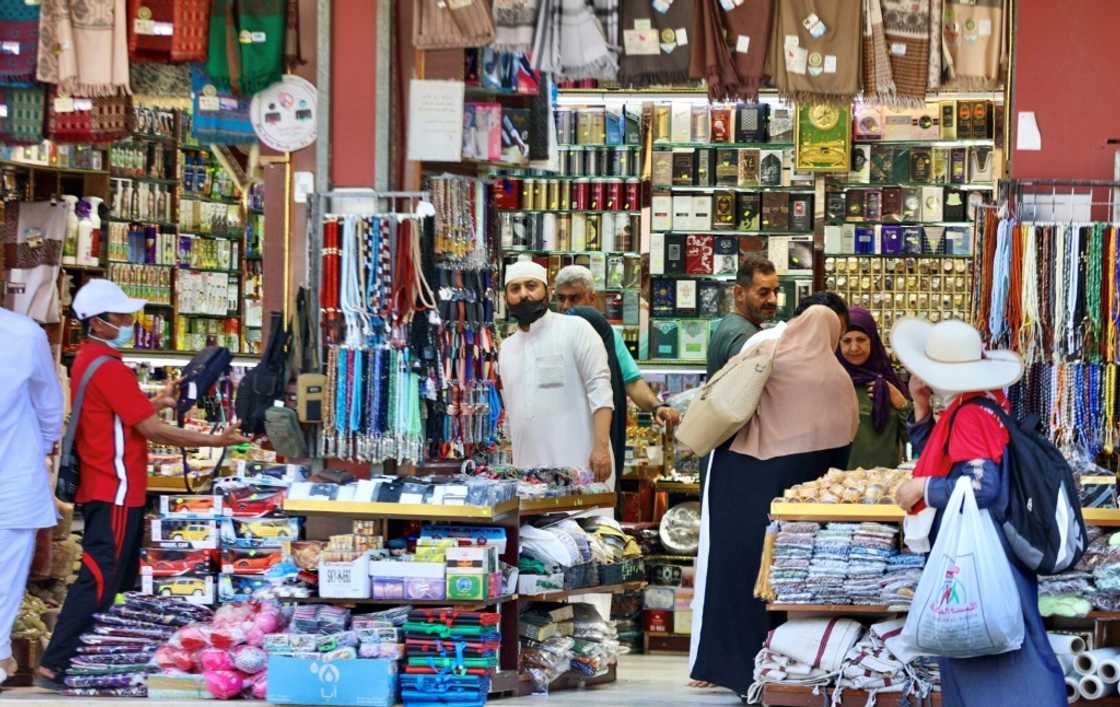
(452, 24)
(728, 400)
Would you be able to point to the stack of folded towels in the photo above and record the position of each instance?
(789, 571)
(897, 586)
(831, 563)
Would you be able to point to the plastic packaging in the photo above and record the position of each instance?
(249, 659)
(214, 659)
(223, 684)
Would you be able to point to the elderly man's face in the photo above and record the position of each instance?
(568, 296)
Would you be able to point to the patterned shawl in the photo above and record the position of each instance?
(23, 123)
(822, 69)
(219, 116)
(571, 43)
(906, 23)
(262, 58)
(168, 30)
(729, 49)
(161, 85)
(669, 64)
(878, 81)
(975, 43)
(83, 46)
(514, 21)
(936, 10)
(19, 32)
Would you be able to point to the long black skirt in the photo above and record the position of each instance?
(729, 625)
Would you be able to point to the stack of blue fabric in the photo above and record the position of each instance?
(829, 567)
(793, 552)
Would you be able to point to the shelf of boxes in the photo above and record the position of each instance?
(400, 511)
(603, 589)
(558, 504)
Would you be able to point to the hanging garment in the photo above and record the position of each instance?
(975, 44)
(293, 45)
(23, 122)
(646, 62)
(906, 24)
(816, 62)
(261, 32)
(32, 234)
(437, 24)
(168, 30)
(161, 85)
(83, 47)
(570, 42)
(878, 82)
(514, 23)
(19, 35)
(223, 61)
(99, 119)
(729, 47)
(219, 116)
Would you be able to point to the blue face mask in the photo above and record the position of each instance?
(122, 339)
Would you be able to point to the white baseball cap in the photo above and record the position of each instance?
(103, 296)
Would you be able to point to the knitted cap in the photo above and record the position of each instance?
(526, 270)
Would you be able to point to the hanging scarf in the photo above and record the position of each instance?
(168, 30)
(570, 42)
(262, 28)
(161, 85)
(906, 24)
(98, 119)
(23, 124)
(876, 370)
(223, 59)
(729, 49)
(19, 32)
(824, 69)
(878, 82)
(643, 64)
(31, 234)
(83, 47)
(219, 116)
(936, 10)
(975, 43)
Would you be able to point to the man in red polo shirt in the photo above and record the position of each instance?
(117, 421)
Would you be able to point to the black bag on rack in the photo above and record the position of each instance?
(267, 382)
(204, 370)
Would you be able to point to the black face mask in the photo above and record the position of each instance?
(528, 310)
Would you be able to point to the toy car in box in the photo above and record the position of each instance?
(252, 561)
(253, 502)
(183, 506)
(259, 532)
(161, 562)
(175, 533)
(232, 588)
(197, 590)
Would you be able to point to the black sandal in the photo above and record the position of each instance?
(54, 684)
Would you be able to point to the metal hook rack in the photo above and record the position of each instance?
(1013, 191)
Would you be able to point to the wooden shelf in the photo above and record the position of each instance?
(402, 511)
(802, 696)
(1104, 517)
(51, 168)
(557, 504)
(603, 589)
(838, 608)
(783, 510)
(677, 487)
(463, 605)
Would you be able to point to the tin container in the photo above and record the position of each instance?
(540, 196)
(505, 229)
(574, 156)
(565, 126)
(632, 195)
(614, 165)
(564, 232)
(565, 154)
(552, 194)
(614, 195)
(598, 195)
(527, 186)
(563, 194)
(519, 230)
(621, 162)
(581, 194)
(590, 162)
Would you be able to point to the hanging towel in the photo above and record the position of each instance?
(83, 46)
(820, 643)
(438, 24)
(161, 85)
(261, 29)
(219, 116)
(666, 62)
(514, 22)
(906, 24)
(19, 33)
(570, 42)
(31, 234)
(936, 11)
(96, 119)
(23, 123)
(729, 49)
(975, 44)
(878, 82)
(818, 63)
(168, 30)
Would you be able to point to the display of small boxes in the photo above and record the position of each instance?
(161, 562)
(469, 572)
(407, 580)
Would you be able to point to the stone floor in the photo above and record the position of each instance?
(644, 681)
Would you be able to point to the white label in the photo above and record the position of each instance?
(227, 103)
(83, 104)
(985, 28)
(682, 36)
(64, 104)
(898, 49)
(459, 4)
(830, 63)
(258, 37)
(145, 27)
(797, 60)
(9, 48)
(31, 3)
(638, 42)
(662, 6)
(644, 23)
(3, 111)
(163, 29)
(192, 390)
(743, 44)
(792, 42)
(208, 103)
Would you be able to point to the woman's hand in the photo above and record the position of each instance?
(898, 400)
(921, 394)
(909, 493)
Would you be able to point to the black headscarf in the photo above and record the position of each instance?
(618, 419)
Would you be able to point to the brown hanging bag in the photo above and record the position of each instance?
(452, 24)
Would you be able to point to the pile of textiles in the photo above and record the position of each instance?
(897, 586)
(837, 654)
(873, 544)
(831, 563)
(789, 572)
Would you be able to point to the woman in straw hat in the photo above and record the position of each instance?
(949, 361)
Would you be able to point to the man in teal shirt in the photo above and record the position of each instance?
(575, 287)
(756, 301)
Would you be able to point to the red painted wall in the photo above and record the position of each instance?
(353, 114)
(1066, 72)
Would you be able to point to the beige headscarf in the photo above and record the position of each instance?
(809, 403)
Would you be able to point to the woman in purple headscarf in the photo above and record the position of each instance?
(884, 401)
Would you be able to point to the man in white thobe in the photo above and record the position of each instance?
(556, 382)
(30, 424)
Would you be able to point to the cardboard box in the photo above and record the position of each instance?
(300, 681)
(260, 532)
(345, 580)
(682, 622)
(197, 590)
(185, 506)
(159, 562)
(657, 620)
(185, 534)
(407, 580)
(467, 587)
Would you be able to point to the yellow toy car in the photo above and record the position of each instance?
(267, 529)
(183, 587)
(191, 532)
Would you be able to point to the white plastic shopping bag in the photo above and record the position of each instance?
(967, 604)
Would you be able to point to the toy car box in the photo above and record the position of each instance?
(184, 534)
(259, 532)
(250, 561)
(161, 562)
(184, 506)
(197, 590)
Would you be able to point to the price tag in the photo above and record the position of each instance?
(11, 48)
(644, 23)
(31, 3)
(228, 103)
(208, 103)
(3, 111)
(163, 29)
(245, 37)
(459, 4)
(743, 44)
(63, 104)
(144, 27)
(83, 104)
(898, 49)
(682, 37)
(259, 37)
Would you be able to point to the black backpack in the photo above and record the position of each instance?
(267, 382)
(1044, 525)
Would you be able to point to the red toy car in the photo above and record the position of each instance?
(159, 562)
(250, 561)
(255, 505)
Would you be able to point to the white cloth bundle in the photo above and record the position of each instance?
(819, 642)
